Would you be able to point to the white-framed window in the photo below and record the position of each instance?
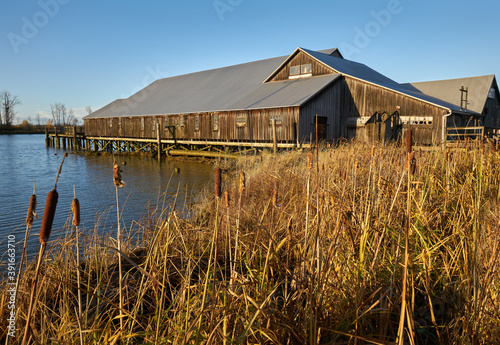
(241, 121)
(278, 119)
(110, 123)
(197, 123)
(142, 123)
(165, 123)
(153, 125)
(300, 71)
(181, 121)
(215, 122)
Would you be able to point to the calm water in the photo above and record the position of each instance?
(24, 159)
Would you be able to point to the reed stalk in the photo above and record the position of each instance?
(46, 227)
(75, 208)
(118, 182)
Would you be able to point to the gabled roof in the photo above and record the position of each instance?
(245, 87)
(236, 87)
(362, 72)
(449, 90)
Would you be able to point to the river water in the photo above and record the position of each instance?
(24, 160)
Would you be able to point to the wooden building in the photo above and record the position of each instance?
(288, 100)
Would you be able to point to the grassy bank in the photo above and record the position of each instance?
(344, 247)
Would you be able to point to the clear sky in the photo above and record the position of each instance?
(89, 53)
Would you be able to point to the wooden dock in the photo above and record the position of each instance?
(74, 138)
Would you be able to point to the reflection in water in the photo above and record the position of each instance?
(25, 159)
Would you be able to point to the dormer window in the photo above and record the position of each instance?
(300, 71)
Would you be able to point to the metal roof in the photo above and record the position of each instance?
(243, 86)
(363, 72)
(449, 90)
(236, 87)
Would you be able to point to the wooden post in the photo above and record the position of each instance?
(294, 134)
(275, 142)
(47, 139)
(158, 136)
(76, 146)
(58, 142)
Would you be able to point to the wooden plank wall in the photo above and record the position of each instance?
(302, 58)
(258, 127)
(368, 99)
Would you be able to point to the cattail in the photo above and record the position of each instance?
(413, 163)
(48, 216)
(117, 177)
(227, 198)
(242, 182)
(75, 207)
(275, 197)
(409, 142)
(218, 183)
(310, 161)
(31, 211)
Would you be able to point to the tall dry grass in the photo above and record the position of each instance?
(244, 273)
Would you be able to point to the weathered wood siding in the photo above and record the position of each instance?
(234, 126)
(368, 99)
(329, 103)
(302, 58)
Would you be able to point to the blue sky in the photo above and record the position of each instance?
(91, 52)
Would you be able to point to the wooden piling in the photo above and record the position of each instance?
(275, 141)
(158, 136)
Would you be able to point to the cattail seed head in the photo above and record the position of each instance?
(48, 215)
(218, 183)
(75, 207)
(409, 142)
(310, 161)
(227, 198)
(413, 163)
(242, 182)
(31, 211)
(117, 177)
(275, 197)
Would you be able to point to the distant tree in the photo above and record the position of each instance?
(8, 102)
(38, 119)
(88, 108)
(61, 115)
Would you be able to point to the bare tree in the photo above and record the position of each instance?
(8, 103)
(38, 119)
(88, 108)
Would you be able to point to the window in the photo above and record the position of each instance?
(492, 93)
(153, 125)
(142, 123)
(278, 119)
(241, 121)
(215, 122)
(197, 123)
(301, 71)
(295, 70)
(110, 123)
(181, 122)
(165, 124)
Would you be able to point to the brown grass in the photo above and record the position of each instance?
(373, 230)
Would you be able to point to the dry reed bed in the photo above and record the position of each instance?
(306, 253)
